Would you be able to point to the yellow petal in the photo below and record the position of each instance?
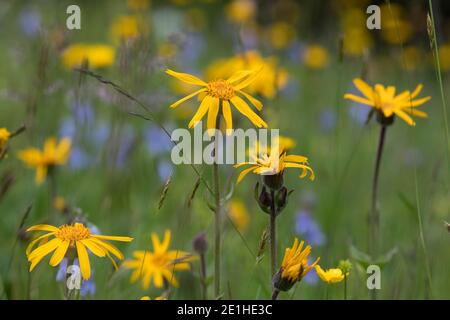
(108, 247)
(174, 105)
(405, 117)
(59, 253)
(358, 99)
(226, 111)
(243, 108)
(244, 173)
(32, 243)
(212, 114)
(95, 248)
(83, 258)
(185, 77)
(45, 249)
(258, 104)
(204, 107)
(364, 88)
(43, 227)
(114, 238)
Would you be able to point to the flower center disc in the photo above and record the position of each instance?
(73, 233)
(220, 89)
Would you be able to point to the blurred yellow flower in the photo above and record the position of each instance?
(444, 57)
(395, 28)
(125, 28)
(281, 34)
(315, 57)
(72, 239)
(356, 41)
(59, 203)
(384, 100)
(331, 275)
(52, 154)
(273, 162)
(221, 94)
(138, 5)
(157, 298)
(167, 50)
(239, 11)
(411, 58)
(294, 266)
(160, 264)
(238, 214)
(96, 55)
(271, 78)
(4, 137)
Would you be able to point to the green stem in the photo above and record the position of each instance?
(374, 216)
(217, 216)
(273, 235)
(345, 287)
(203, 276)
(275, 293)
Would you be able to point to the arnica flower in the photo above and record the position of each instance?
(271, 77)
(4, 137)
(274, 163)
(126, 28)
(157, 298)
(315, 57)
(95, 55)
(329, 276)
(239, 215)
(384, 100)
(160, 264)
(221, 94)
(42, 160)
(240, 11)
(73, 240)
(444, 56)
(294, 266)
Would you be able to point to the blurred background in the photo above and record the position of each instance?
(120, 163)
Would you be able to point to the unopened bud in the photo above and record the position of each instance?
(200, 243)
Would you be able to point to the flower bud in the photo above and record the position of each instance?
(200, 243)
(274, 181)
(281, 199)
(264, 199)
(280, 283)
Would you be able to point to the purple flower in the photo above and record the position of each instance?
(309, 229)
(30, 22)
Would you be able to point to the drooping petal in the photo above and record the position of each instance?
(243, 108)
(43, 227)
(83, 258)
(45, 249)
(109, 247)
(201, 111)
(212, 114)
(295, 158)
(244, 173)
(405, 117)
(248, 80)
(95, 248)
(59, 253)
(417, 113)
(258, 104)
(358, 99)
(32, 243)
(226, 111)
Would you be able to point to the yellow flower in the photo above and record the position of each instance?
(59, 203)
(96, 55)
(238, 214)
(395, 28)
(315, 57)
(294, 266)
(157, 298)
(53, 154)
(4, 137)
(334, 275)
(273, 161)
(73, 240)
(444, 57)
(281, 34)
(271, 77)
(138, 5)
(384, 100)
(240, 11)
(411, 58)
(221, 94)
(158, 265)
(125, 28)
(356, 41)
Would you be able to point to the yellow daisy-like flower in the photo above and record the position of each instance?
(75, 237)
(333, 275)
(53, 154)
(240, 11)
(4, 137)
(273, 161)
(385, 101)
(294, 266)
(96, 55)
(222, 94)
(158, 265)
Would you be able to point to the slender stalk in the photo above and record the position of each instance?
(275, 293)
(273, 235)
(203, 276)
(374, 216)
(52, 192)
(327, 292)
(217, 215)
